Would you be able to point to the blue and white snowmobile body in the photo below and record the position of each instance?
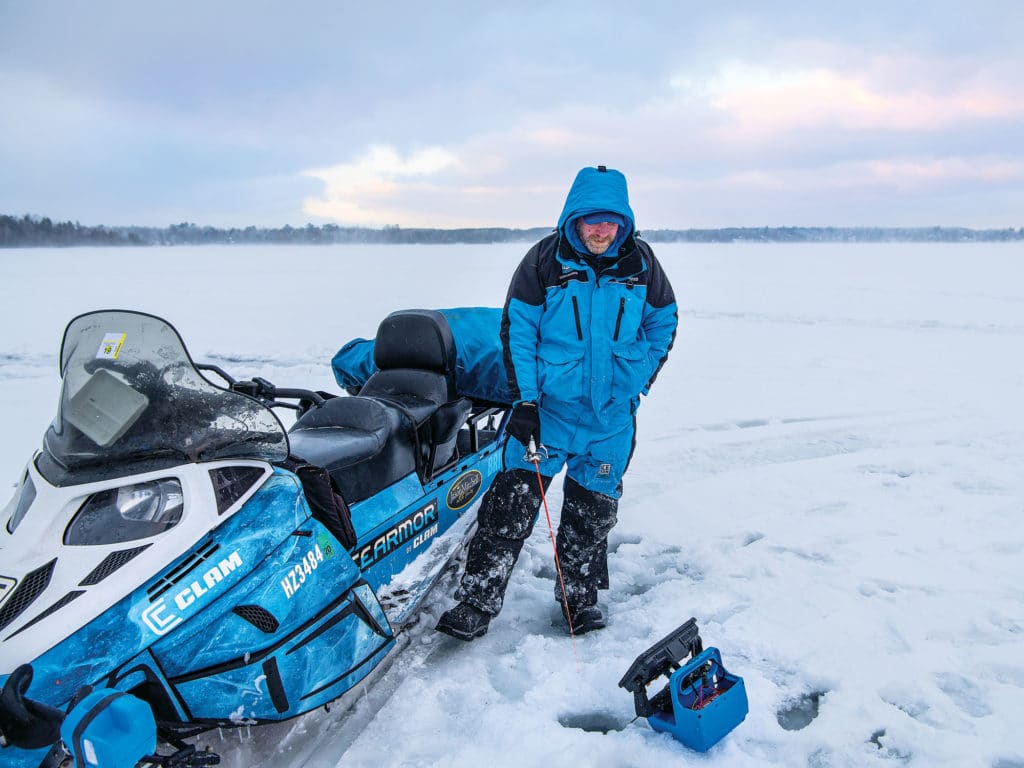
(171, 539)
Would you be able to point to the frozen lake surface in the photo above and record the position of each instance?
(829, 477)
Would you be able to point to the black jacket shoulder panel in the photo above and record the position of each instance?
(532, 276)
(659, 289)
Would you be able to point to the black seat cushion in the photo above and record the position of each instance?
(364, 444)
(417, 392)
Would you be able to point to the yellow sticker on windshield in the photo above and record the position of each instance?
(111, 345)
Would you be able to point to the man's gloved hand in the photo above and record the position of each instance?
(25, 723)
(524, 423)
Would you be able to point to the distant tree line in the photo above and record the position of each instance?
(28, 231)
(31, 231)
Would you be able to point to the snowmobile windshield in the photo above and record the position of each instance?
(132, 401)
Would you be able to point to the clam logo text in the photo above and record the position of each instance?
(161, 618)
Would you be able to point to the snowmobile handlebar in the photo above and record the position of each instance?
(267, 392)
(263, 390)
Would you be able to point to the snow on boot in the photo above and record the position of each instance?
(464, 622)
(504, 522)
(587, 518)
(586, 619)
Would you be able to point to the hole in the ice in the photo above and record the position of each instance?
(592, 722)
(798, 714)
(545, 571)
(1008, 762)
(889, 753)
(748, 423)
(614, 544)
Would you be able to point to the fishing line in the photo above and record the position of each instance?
(534, 456)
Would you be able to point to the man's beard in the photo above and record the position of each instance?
(598, 245)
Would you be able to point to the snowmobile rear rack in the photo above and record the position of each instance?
(661, 659)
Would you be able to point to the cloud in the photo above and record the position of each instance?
(515, 177)
(894, 174)
(761, 102)
(913, 173)
(371, 190)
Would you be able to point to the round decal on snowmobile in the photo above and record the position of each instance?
(464, 489)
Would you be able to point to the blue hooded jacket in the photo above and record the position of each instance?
(586, 335)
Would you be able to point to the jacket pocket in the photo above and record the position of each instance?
(630, 370)
(560, 372)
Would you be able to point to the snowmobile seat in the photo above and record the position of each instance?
(415, 355)
(360, 441)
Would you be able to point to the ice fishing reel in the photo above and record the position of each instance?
(701, 703)
(535, 453)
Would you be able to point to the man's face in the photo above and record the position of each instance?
(597, 237)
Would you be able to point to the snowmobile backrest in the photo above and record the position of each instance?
(415, 338)
(415, 356)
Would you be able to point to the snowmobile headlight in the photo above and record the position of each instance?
(127, 513)
(22, 500)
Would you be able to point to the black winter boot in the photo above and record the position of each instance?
(464, 622)
(585, 619)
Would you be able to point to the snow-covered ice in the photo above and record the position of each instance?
(829, 477)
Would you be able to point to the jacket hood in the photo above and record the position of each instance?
(594, 190)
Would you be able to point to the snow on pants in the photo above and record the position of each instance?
(511, 505)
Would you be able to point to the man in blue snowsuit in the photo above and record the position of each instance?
(588, 323)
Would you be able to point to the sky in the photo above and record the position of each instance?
(455, 114)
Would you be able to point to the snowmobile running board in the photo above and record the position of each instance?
(702, 701)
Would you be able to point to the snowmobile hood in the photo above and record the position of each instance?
(73, 558)
(594, 190)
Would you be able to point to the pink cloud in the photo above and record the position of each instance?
(761, 102)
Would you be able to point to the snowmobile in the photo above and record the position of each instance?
(173, 542)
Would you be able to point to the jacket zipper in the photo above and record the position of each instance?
(576, 312)
(618, 320)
